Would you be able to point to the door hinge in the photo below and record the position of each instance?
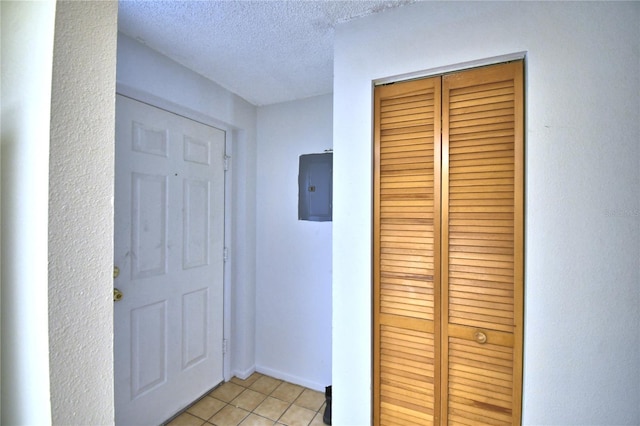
(226, 162)
(225, 254)
(225, 345)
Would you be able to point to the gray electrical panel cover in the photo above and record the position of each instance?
(315, 187)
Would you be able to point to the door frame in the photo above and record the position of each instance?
(447, 69)
(230, 134)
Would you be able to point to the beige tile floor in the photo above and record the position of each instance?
(257, 401)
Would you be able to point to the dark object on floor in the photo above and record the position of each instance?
(327, 410)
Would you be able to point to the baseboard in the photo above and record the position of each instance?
(242, 375)
(291, 378)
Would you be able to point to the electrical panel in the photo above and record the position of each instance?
(315, 187)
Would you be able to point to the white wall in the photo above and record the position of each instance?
(81, 213)
(582, 281)
(57, 223)
(149, 76)
(293, 296)
(27, 53)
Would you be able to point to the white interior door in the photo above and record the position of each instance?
(169, 235)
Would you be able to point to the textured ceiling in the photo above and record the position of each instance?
(266, 51)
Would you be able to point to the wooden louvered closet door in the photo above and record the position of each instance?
(448, 249)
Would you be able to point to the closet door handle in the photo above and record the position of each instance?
(480, 337)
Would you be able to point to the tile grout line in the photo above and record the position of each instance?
(248, 386)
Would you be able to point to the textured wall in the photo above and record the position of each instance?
(293, 285)
(81, 213)
(582, 292)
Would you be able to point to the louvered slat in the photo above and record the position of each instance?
(406, 375)
(489, 228)
(406, 213)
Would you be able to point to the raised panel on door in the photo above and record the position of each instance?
(406, 253)
(196, 223)
(195, 324)
(148, 347)
(149, 213)
(482, 274)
